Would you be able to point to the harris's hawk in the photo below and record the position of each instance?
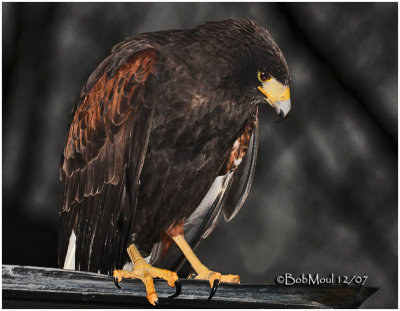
(162, 143)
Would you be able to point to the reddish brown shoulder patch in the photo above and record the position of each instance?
(239, 149)
(108, 103)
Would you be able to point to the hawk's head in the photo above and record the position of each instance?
(258, 69)
(272, 71)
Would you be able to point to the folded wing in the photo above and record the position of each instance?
(102, 160)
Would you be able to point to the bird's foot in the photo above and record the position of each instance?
(215, 278)
(146, 273)
(203, 273)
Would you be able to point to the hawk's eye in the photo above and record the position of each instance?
(263, 76)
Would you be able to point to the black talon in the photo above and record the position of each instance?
(156, 304)
(178, 289)
(116, 283)
(213, 289)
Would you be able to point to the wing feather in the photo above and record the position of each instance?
(105, 147)
(242, 179)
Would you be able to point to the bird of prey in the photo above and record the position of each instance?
(162, 143)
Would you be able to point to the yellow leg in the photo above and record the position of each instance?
(203, 273)
(145, 272)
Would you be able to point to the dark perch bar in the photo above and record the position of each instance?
(35, 287)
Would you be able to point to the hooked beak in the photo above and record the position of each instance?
(282, 108)
(277, 95)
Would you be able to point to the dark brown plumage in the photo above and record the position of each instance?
(155, 125)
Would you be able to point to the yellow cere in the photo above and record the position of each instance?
(274, 91)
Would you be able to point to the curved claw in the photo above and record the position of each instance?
(178, 289)
(213, 289)
(156, 304)
(116, 283)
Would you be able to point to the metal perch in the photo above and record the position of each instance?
(36, 287)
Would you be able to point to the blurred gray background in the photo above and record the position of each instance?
(324, 198)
